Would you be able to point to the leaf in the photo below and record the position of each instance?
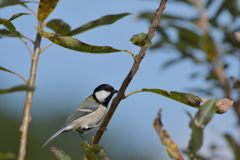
(185, 98)
(170, 146)
(235, 147)
(105, 20)
(7, 70)
(15, 16)
(6, 33)
(74, 44)
(8, 24)
(59, 154)
(16, 89)
(45, 8)
(6, 3)
(141, 40)
(7, 156)
(209, 47)
(197, 124)
(59, 26)
(94, 152)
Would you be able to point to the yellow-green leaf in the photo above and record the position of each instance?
(197, 124)
(8, 24)
(170, 146)
(75, 44)
(15, 89)
(59, 26)
(45, 8)
(15, 16)
(185, 98)
(209, 47)
(59, 154)
(105, 20)
(94, 152)
(141, 40)
(7, 156)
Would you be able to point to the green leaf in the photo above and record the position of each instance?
(188, 36)
(7, 156)
(197, 124)
(7, 70)
(185, 98)
(209, 47)
(235, 147)
(15, 16)
(45, 8)
(170, 146)
(6, 3)
(59, 26)
(141, 40)
(8, 24)
(16, 89)
(94, 152)
(59, 154)
(74, 44)
(105, 20)
(6, 33)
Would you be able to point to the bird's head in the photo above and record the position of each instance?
(103, 93)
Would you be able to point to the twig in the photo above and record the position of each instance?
(27, 46)
(28, 101)
(137, 60)
(46, 47)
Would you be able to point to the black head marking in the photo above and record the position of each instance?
(105, 87)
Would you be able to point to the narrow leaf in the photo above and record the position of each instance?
(17, 15)
(6, 33)
(8, 24)
(209, 47)
(197, 124)
(141, 40)
(45, 8)
(6, 3)
(59, 154)
(94, 152)
(105, 20)
(16, 89)
(235, 147)
(59, 26)
(74, 44)
(170, 146)
(7, 70)
(185, 98)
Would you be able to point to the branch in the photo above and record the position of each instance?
(137, 60)
(28, 101)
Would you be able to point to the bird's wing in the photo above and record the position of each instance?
(88, 106)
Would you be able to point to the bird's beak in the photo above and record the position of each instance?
(115, 91)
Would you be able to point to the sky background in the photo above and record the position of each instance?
(66, 77)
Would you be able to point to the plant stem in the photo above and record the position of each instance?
(28, 101)
(137, 60)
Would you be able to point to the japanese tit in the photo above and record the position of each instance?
(90, 112)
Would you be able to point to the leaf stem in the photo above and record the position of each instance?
(137, 60)
(132, 93)
(28, 101)
(46, 47)
(130, 53)
(27, 46)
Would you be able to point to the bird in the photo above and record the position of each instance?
(89, 114)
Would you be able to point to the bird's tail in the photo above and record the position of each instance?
(54, 136)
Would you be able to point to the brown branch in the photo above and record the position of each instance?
(28, 101)
(131, 74)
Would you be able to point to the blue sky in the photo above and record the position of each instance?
(65, 77)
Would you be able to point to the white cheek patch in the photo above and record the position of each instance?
(102, 95)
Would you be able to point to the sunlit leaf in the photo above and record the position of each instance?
(170, 146)
(15, 89)
(15, 16)
(59, 154)
(141, 40)
(235, 147)
(74, 44)
(185, 98)
(197, 124)
(45, 8)
(94, 152)
(59, 26)
(105, 20)
(7, 156)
